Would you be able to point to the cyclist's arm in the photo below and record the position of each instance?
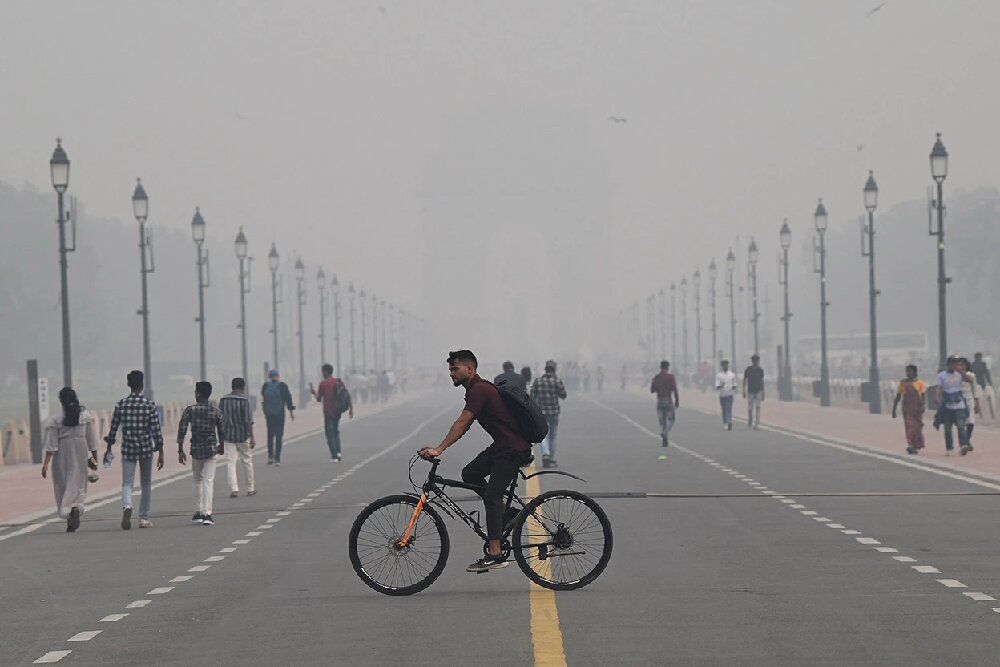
(455, 433)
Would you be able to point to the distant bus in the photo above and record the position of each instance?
(897, 346)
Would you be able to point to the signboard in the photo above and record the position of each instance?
(43, 399)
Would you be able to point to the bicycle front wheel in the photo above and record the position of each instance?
(379, 560)
(562, 540)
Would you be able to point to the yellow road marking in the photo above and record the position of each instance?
(546, 637)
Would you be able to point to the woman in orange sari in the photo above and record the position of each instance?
(911, 393)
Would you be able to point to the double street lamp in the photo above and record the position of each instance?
(350, 299)
(244, 260)
(204, 280)
(684, 328)
(939, 171)
(696, 284)
(819, 250)
(364, 356)
(673, 322)
(300, 289)
(140, 208)
(272, 263)
(321, 283)
(335, 284)
(753, 254)
(59, 170)
(868, 250)
(731, 292)
(785, 391)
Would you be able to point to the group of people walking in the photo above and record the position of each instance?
(959, 396)
(70, 442)
(547, 390)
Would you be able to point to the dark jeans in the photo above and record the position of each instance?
(275, 432)
(501, 467)
(331, 424)
(956, 417)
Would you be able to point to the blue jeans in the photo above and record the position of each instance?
(956, 417)
(727, 409)
(275, 433)
(549, 443)
(331, 424)
(665, 411)
(145, 482)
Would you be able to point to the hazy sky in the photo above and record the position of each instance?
(325, 122)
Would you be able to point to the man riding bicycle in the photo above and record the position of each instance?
(500, 461)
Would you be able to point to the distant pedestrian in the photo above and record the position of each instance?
(972, 394)
(207, 442)
(664, 385)
(384, 386)
(336, 401)
(981, 370)
(546, 391)
(725, 384)
(753, 390)
(141, 436)
(237, 427)
(624, 375)
(275, 398)
(70, 444)
(911, 393)
(526, 375)
(510, 378)
(599, 376)
(953, 409)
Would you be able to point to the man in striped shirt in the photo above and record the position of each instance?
(237, 427)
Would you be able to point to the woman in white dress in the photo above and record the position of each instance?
(973, 394)
(70, 444)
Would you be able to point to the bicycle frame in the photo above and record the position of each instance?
(433, 491)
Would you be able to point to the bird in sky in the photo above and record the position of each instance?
(617, 119)
(876, 8)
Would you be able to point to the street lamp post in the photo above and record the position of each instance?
(786, 372)
(272, 263)
(939, 171)
(696, 285)
(663, 325)
(375, 360)
(241, 255)
(140, 208)
(713, 273)
(684, 328)
(364, 354)
(819, 248)
(871, 201)
(321, 283)
(753, 254)
(673, 323)
(204, 280)
(300, 289)
(385, 349)
(335, 284)
(731, 293)
(350, 299)
(59, 170)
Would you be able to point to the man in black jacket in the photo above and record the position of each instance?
(511, 378)
(275, 398)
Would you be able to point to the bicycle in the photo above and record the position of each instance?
(560, 539)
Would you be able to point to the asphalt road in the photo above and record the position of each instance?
(737, 563)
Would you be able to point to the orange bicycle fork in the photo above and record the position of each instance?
(405, 540)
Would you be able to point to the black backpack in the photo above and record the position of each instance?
(531, 423)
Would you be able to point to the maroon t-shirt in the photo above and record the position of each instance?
(483, 400)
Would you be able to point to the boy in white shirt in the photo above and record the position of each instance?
(725, 384)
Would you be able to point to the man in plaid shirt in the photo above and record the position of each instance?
(141, 436)
(546, 392)
(207, 441)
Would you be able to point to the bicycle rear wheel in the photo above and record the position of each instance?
(379, 560)
(562, 540)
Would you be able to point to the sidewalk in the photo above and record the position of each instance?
(25, 496)
(879, 433)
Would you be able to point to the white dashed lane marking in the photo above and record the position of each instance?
(199, 568)
(163, 590)
(51, 656)
(138, 604)
(84, 636)
(112, 618)
(868, 541)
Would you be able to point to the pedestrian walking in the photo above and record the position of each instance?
(275, 399)
(753, 391)
(526, 376)
(207, 442)
(546, 391)
(336, 401)
(952, 407)
(512, 379)
(624, 375)
(664, 385)
(237, 427)
(972, 394)
(70, 444)
(911, 393)
(981, 370)
(599, 376)
(141, 436)
(725, 384)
